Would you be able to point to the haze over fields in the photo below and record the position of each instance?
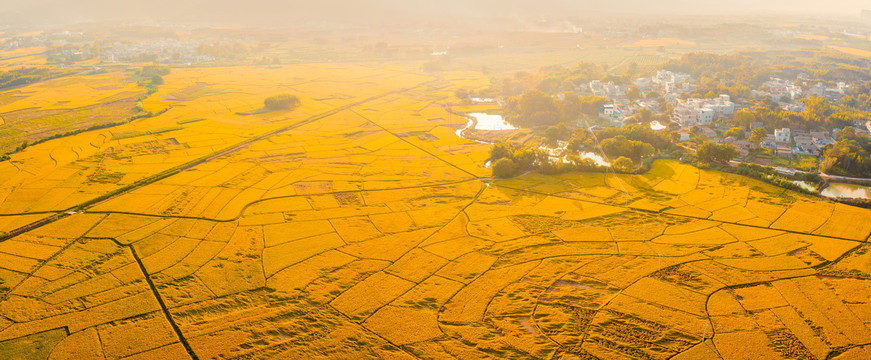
(385, 12)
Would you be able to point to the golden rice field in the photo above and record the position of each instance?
(360, 226)
(852, 51)
(64, 105)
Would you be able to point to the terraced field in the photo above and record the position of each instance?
(359, 226)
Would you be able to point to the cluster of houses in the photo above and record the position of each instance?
(165, 50)
(832, 94)
(787, 142)
(813, 142)
(668, 84)
(609, 90)
(784, 142)
(788, 91)
(779, 89)
(700, 114)
(60, 38)
(620, 107)
(693, 112)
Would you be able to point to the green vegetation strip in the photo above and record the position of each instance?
(133, 134)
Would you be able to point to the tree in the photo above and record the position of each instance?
(281, 102)
(768, 103)
(850, 101)
(156, 80)
(817, 109)
(850, 156)
(462, 94)
(710, 152)
(532, 108)
(534, 101)
(623, 165)
(501, 150)
(633, 93)
(590, 105)
(570, 107)
(735, 132)
(848, 133)
(745, 118)
(504, 168)
(558, 132)
(757, 135)
(621, 146)
(643, 116)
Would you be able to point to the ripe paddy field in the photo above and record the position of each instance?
(358, 225)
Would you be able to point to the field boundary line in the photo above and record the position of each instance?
(181, 337)
(191, 164)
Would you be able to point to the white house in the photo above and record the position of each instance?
(782, 135)
(596, 86)
(803, 140)
(611, 113)
(702, 111)
(685, 116)
(818, 90)
(642, 83)
(668, 80)
(706, 116)
(821, 138)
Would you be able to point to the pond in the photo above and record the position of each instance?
(489, 122)
(484, 121)
(556, 154)
(805, 185)
(850, 191)
(595, 157)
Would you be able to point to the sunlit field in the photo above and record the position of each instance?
(359, 225)
(435, 180)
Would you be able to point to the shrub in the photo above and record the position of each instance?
(281, 102)
(623, 164)
(504, 168)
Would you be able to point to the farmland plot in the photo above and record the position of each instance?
(360, 226)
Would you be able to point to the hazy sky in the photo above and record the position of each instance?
(271, 12)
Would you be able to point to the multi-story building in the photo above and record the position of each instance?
(596, 86)
(778, 88)
(702, 111)
(685, 116)
(782, 135)
(611, 112)
(669, 82)
(642, 83)
(822, 138)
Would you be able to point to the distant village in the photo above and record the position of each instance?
(694, 116)
(67, 47)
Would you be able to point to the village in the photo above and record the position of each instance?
(714, 118)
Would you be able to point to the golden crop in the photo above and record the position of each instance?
(360, 226)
